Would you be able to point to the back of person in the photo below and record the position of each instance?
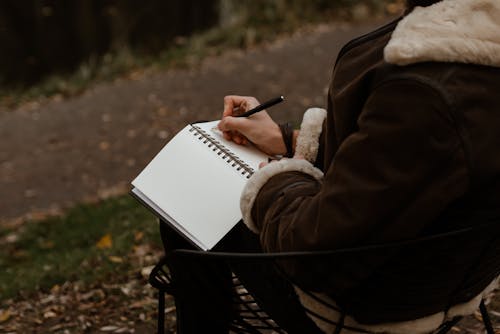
(453, 63)
(408, 149)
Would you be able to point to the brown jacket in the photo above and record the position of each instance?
(410, 147)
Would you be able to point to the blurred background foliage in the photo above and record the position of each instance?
(58, 47)
(39, 37)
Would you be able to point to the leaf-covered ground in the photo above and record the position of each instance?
(85, 272)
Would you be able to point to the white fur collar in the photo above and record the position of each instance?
(464, 31)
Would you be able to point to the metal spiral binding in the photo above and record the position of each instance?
(222, 151)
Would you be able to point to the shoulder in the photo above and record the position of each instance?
(450, 82)
(416, 95)
(430, 77)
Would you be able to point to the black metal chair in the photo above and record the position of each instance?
(251, 318)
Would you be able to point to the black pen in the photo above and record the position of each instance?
(262, 106)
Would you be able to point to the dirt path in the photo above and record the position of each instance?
(63, 152)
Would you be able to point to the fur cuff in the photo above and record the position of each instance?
(260, 177)
(308, 140)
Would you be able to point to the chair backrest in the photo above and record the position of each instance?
(428, 264)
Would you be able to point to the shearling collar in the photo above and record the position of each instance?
(464, 31)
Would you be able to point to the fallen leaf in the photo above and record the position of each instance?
(146, 271)
(58, 327)
(19, 254)
(115, 259)
(138, 235)
(48, 299)
(57, 98)
(108, 328)
(162, 111)
(139, 304)
(106, 118)
(11, 238)
(46, 244)
(55, 289)
(126, 290)
(163, 134)
(96, 294)
(395, 7)
(105, 242)
(4, 315)
(30, 193)
(49, 314)
(140, 250)
(131, 133)
(85, 307)
(170, 309)
(104, 145)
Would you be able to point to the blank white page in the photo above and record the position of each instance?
(195, 187)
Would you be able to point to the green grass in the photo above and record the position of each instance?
(66, 249)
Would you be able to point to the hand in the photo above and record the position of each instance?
(259, 128)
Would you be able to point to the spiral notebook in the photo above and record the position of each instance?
(194, 183)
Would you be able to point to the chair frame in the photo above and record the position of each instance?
(162, 281)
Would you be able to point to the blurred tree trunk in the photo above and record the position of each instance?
(119, 19)
(40, 37)
(86, 26)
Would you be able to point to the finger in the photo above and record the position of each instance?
(230, 103)
(232, 135)
(227, 135)
(237, 124)
(236, 104)
(228, 106)
(237, 140)
(237, 137)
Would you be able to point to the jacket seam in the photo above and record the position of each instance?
(456, 116)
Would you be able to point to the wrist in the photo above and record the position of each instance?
(274, 142)
(287, 134)
(294, 139)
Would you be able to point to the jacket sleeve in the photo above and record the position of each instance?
(307, 147)
(387, 181)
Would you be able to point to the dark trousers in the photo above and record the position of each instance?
(203, 289)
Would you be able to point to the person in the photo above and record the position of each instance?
(407, 147)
